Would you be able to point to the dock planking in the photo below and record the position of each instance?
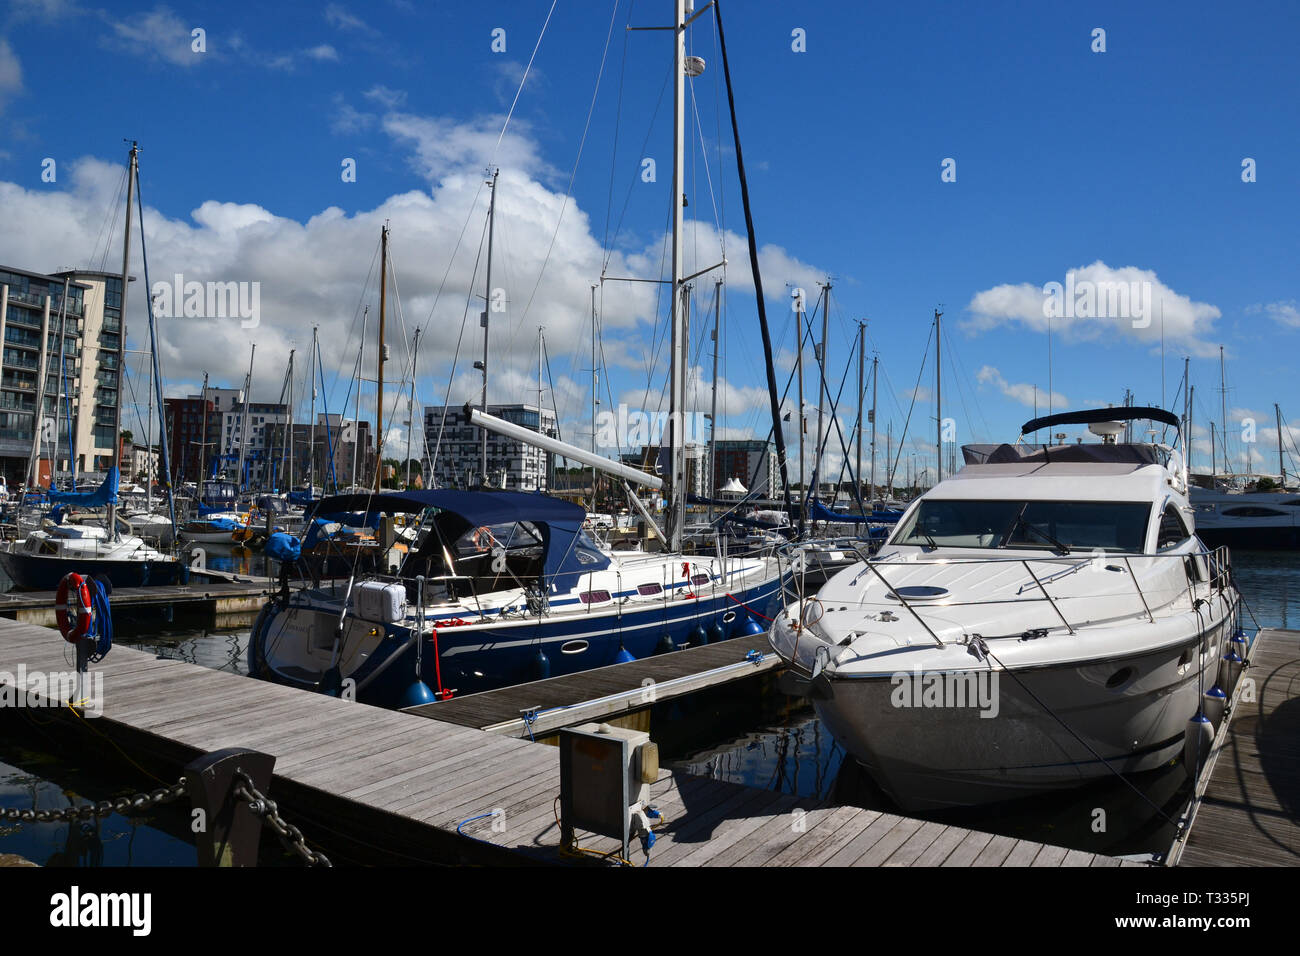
(603, 693)
(1248, 807)
(366, 775)
(237, 595)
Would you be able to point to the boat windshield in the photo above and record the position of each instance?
(1061, 526)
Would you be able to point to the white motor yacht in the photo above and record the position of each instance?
(1042, 618)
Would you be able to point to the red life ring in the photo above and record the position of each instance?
(74, 619)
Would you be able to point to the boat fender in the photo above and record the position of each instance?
(1196, 743)
(74, 618)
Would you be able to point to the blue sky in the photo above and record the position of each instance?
(1123, 163)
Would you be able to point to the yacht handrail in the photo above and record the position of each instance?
(1219, 556)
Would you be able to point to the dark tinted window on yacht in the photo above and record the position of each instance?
(1049, 525)
(1172, 529)
(648, 590)
(1255, 511)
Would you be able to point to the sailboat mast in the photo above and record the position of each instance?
(798, 361)
(243, 427)
(121, 341)
(1281, 468)
(595, 400)
(311, 444)
(938, 400)
(382, 357)
(862, 354)
(676, 517)
(821, 376)
(286, 446)
(1223, 408)
(61, 390)
(356, 425)
(713, 412)
(410, 406)
(203, 445)
(487, 309)
(875, 375)
(148, 444)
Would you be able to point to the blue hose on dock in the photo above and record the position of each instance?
(101, 621)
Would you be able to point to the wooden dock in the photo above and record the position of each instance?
(1247, 806)
(542, 707)
(350, 775)
(233, 596)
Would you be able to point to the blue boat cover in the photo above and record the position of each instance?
(819, 512)
(569, 554)
(105, 494)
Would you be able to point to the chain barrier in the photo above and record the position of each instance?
(266, 810)
(91, 811)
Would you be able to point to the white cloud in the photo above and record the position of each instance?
(1286, 314)
(1115, 315)
(338, 17)
(1026, 394)
(314, 272)
(11, 73)
(159, 34)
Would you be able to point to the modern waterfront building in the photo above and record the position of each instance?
(77, 374)
(454, 449)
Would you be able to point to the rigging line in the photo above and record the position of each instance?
(568, 192)
(352, 329)
(708, 175)
(522, 80)
(893, 467)
(652, 357)
(451, 375)
(961, 389)
(627, 199)
(459, 239)
(618, 123)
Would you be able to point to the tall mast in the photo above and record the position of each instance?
(889, 458)
(1223, 407)
(356, 425)
(862, 355)
(286, 446)
(713, 413)
(487, 309)
(311, 444)
(821, 378)
(1281, 468)
(203, 445)
(1191, 411)
(875, 376)
(676, 517)
(60, 390)
(410, 407)
(148, 443)
(595, 389)
(938, 399)
(798, 361)
(243, 427)
(382, 357)
(121, 341)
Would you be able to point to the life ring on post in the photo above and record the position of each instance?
(73, 608)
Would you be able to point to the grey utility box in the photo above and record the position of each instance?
(605, 777)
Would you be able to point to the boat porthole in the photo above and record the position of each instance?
(728, 617)
(1120, 677)
(573, 647)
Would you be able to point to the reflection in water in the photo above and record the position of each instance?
(795, 754)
